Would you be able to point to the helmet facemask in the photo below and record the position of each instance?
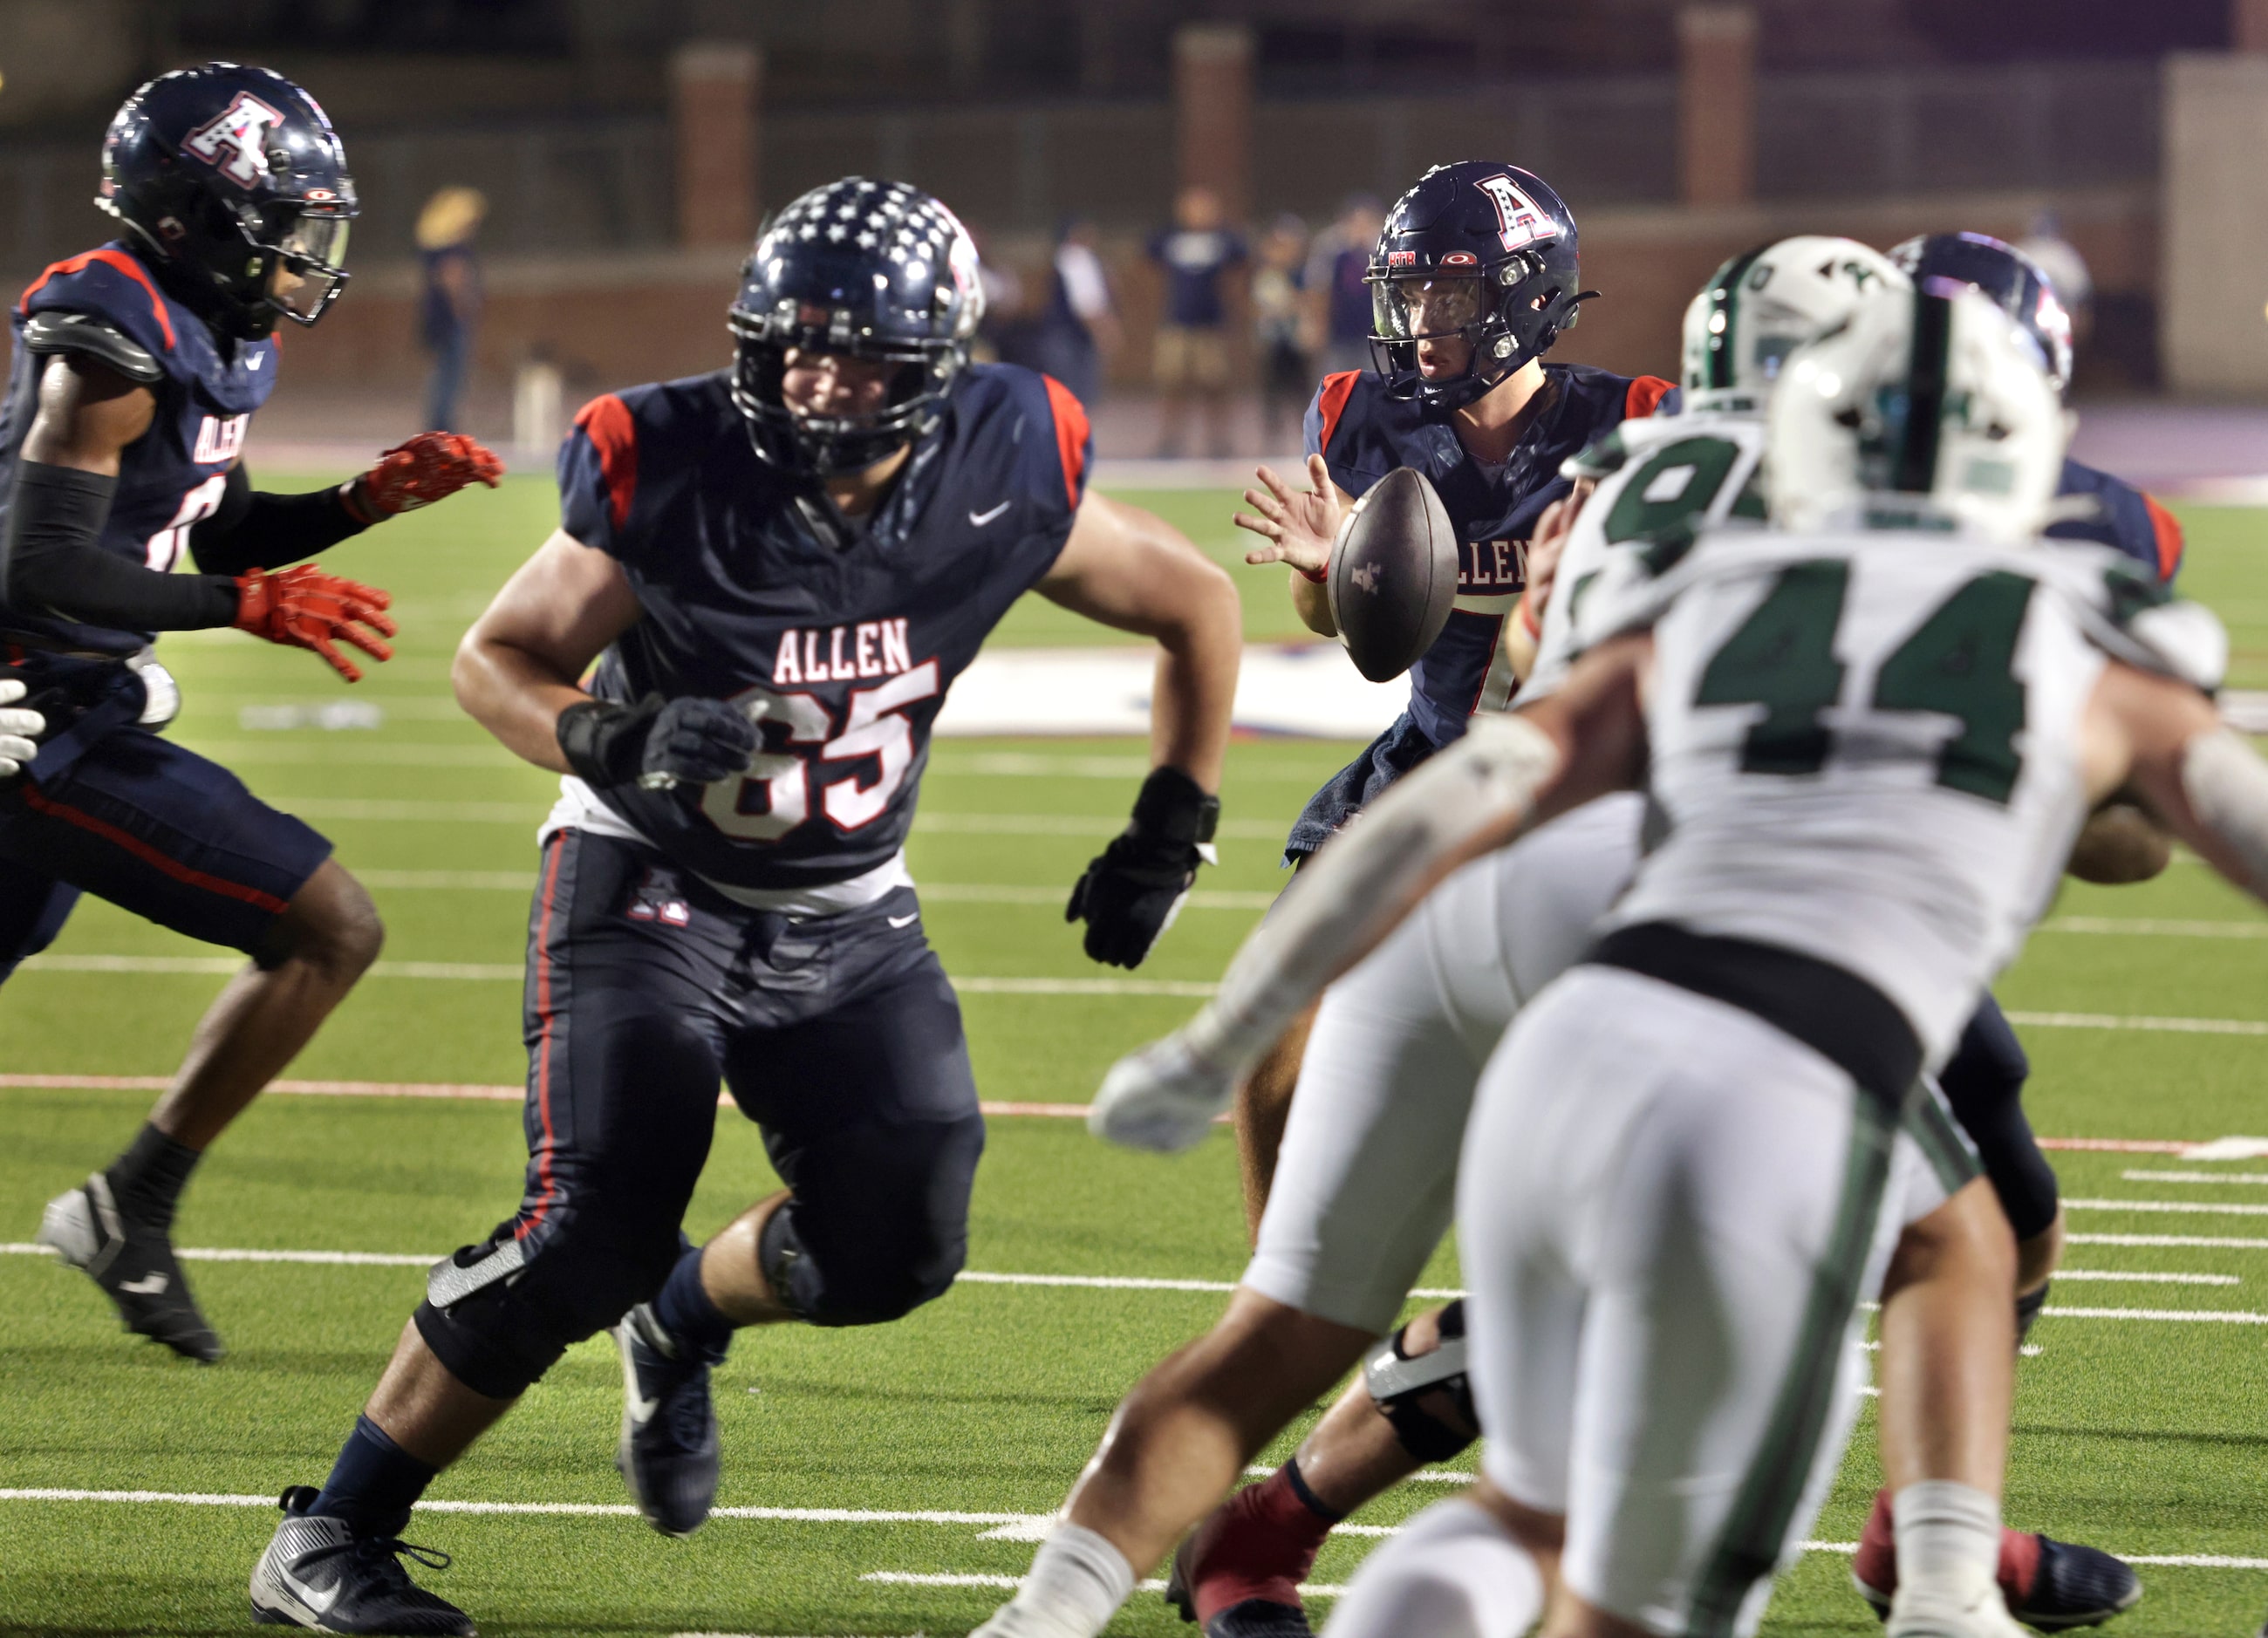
(1505, 317)
(823, 445)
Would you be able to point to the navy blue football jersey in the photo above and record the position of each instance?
(1362, 435)
(173, 475)
(842, 650)
(2125, 518)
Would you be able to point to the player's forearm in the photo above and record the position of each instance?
(1195, 691)
(1312, 602)
(1472, 796)
(253, 528)
(517, 696)
(51, 561)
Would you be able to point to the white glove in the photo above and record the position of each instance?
(1163, 1097)
(17, 728)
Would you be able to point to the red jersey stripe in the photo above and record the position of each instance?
(1646, 394)
(605, 422)
(1070, 433)
(2169, 531)
(547, 1013)
(117, 259)
(1331, 398)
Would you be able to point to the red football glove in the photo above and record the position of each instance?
(427, 468)
(305, 608)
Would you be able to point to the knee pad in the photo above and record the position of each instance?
(499, 1316)
(1402, 1387)
(870, 1285)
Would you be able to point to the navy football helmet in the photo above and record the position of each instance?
(2015, 283)
(1478, 250)
(224, 174)
(874, 269)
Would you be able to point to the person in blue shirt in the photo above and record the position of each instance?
(780, 568)
(449, 304)
(138, 368)
(1197, 254)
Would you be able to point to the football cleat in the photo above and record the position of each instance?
(2048, 1584)
(1247, 1618)
(134, 1264)
(318, 1573)
(668, 1453)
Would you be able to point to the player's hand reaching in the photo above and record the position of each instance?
(18, 729)
(305, 608)
(1163, 1097)
(1298, 525)
(659, 743)
(1130, 892)
(429, 468)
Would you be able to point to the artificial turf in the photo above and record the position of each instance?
(2143, 1434)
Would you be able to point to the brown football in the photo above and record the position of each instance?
(1393, 574)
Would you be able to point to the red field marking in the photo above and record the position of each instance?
(2118, 1145)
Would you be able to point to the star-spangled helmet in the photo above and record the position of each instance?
(1491, 250)
(1918, 409)
(1760, 306)
(222, 175)
(871, 268)
(2019, 286)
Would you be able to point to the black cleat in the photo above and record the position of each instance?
(2075, 1586)
(668, 1453)
(1254, 1618)
(318, 1573)
(132, 1262)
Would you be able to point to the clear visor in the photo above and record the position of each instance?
(315, 240)
(1412, 309)
(306, 273)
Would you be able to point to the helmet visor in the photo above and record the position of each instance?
(309, 253)
(1413, 309)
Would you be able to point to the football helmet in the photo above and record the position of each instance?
(1478, 250)
(2016, 283)
(874, 269)
(222, 175)
(1918, 410)
(1761, 306)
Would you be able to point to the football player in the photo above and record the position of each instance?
(780, 568)
(1631, 1323)
(1412, 1405)
(1475, 274)
(137, 369)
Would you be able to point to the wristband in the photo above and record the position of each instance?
(1319, 576)
(604, 742)
(1529, 622)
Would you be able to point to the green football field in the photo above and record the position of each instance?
(891, 1480)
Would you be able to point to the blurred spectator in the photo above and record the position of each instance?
(1339, 300)
(1280, 322)
(2065, 268)
(1004, 333)
(1192, 347)
(1079, 331)
(451, 307)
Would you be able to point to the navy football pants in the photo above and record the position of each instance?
(1984, 1082)
(840, 1036)
(155, 829)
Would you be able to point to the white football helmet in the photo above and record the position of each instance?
(1920, 410)
(1759, 307)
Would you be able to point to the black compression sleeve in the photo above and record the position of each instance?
(252, 530)
(50, 563)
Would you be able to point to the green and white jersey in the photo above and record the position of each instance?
(1864, 746)
(1659, 481)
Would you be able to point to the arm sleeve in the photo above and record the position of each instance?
(252, 530)
(50, 560)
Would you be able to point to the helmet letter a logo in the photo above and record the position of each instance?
(235, 140)
(1518, 218)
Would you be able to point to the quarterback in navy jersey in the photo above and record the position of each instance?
(780, 569)
(137, 369)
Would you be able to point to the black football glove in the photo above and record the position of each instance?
(657, 742)
(1128, 895)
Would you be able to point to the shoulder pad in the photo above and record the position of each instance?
(95, 338)
(2132, 618)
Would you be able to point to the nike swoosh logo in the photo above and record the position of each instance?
(255, 361)
(903, 921)
(981, 518)
(149, 1285)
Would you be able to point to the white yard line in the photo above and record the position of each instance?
(2113, 1021)
(2148, 1279)
(2204, 1242)
(853, 1516)
(2186, 1206)
(2153, 926)
(2194, 1177)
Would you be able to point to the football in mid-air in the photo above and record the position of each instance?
(1393, 574)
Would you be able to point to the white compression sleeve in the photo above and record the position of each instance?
(1079, 1579)
(1358, 887)
(2227, 789)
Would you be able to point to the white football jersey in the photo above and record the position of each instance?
(1864, 746)
(1656, 477)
